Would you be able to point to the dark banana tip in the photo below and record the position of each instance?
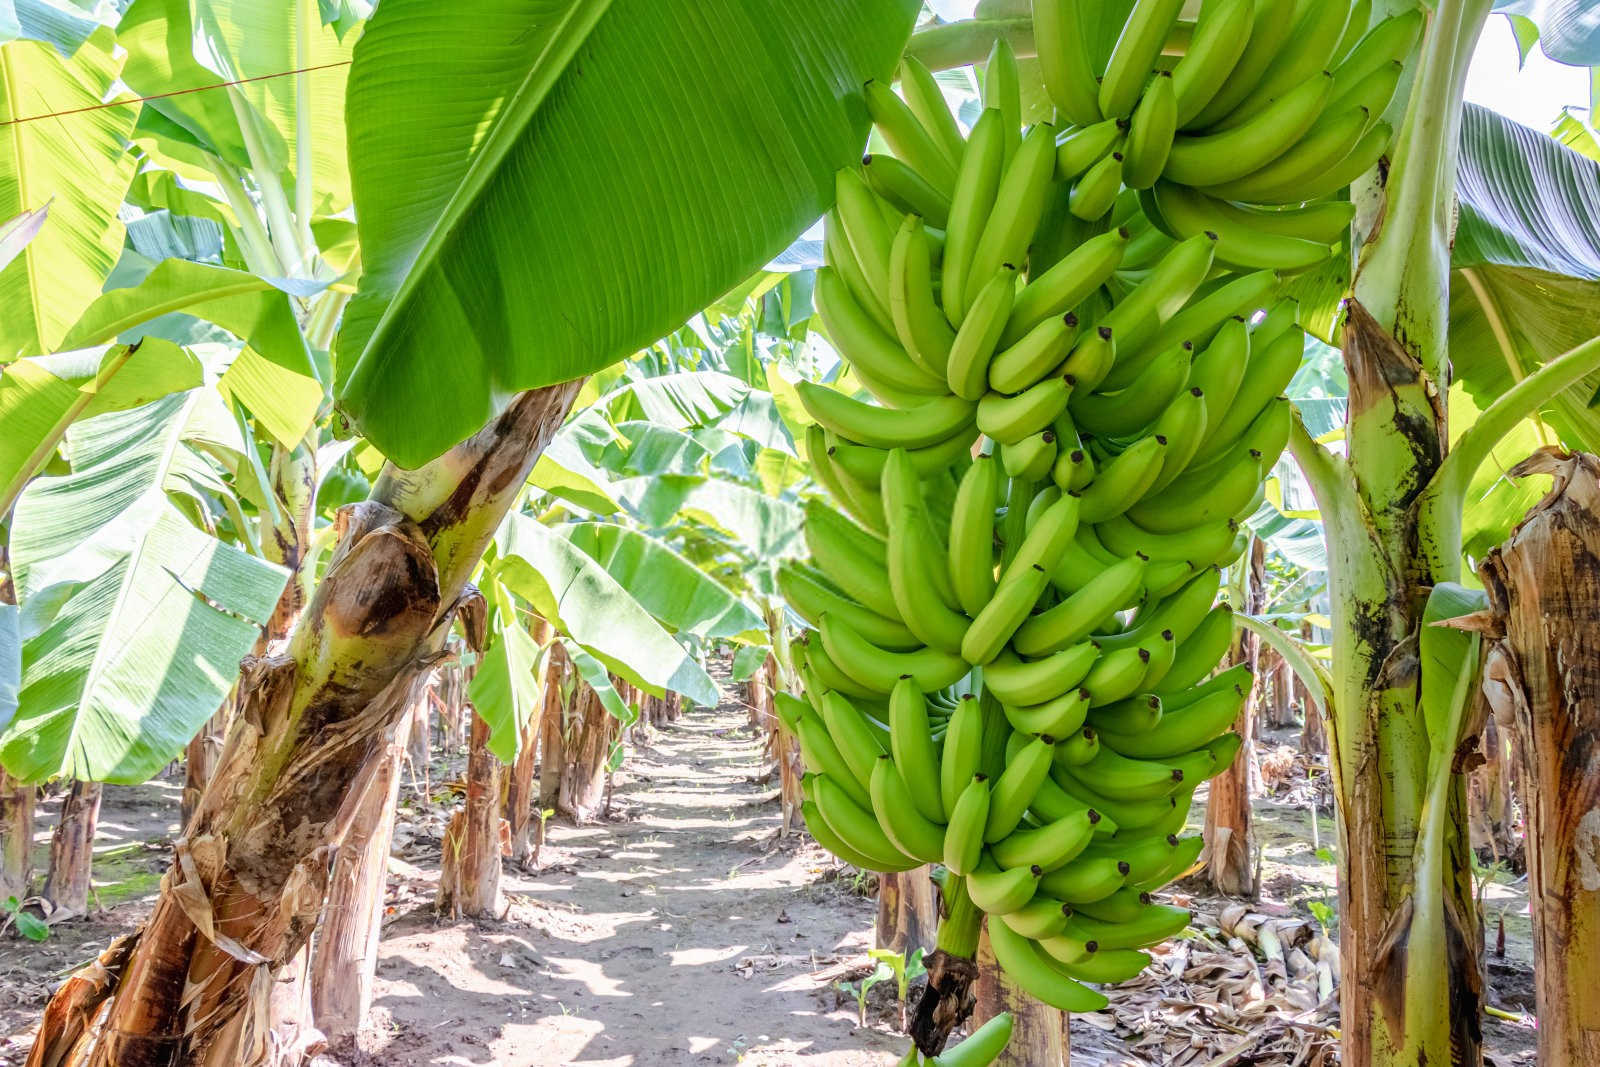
(1166, 635)
(1048, 437)
(866, 160)
(1037, 871)
(1070, 319)
(1144, 655)
(980, 777)
(904, 676)
(1070, 379)
(1094, 816)
(1094, 946)
(1105, 333)
(1122, 867)
(1066, 909)
(1047, 739)
(1144, 898)
(1153, 702)
(1177, 774)
(1161, 439)
(1172, 839)
(1211, 234)
(1117, 156)
(1196, 391)
(1088, 733)
(1123, 232)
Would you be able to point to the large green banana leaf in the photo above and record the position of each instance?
(582, 600)
(76, 164)
(274, 374)
(768, 528)
(154, 614)
(10, 663)
(1569, 30)
(675, 591)
(543, 186)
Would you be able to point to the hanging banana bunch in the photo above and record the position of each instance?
(1012, 592)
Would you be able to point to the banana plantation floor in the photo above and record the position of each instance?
(682, 930)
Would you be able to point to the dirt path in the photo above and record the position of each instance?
(683, 933)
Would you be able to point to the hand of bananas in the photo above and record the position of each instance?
(1013, 590)
(981, 1048)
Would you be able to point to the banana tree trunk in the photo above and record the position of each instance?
(908, 912)
(346, 954)
(16, 837)
(200, 759)
(1230, 852)
(249, 880)
(1489, 794)
(583, 776)
(1544, 674)
(469, 875)
(66, 884)
(1039, 1032)
(521, 792)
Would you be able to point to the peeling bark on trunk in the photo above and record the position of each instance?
(521, 798)
(346, 956)
(1544, 675)
(16, 837)
(552, 738)
(1489, 793)
(583, 776)
(66, 883)
(908, 912)
(248, 882)
(469, 874)
(1039, 1032)
(1230, 853)
(200, 759)
(419, 750)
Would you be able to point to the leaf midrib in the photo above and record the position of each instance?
(13, 108)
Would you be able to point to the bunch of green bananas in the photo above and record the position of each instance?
(1273, 107)
(1012, 591)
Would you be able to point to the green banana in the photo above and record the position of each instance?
(898, 818)
(1180, 613)
(1084, 146)
(999, 892)
(919, 322)
(907, 137)
(1154, 124)
(828, 839)
(1122, 482)
(1188, 504)
(981, 1048)
(1075, 617)
(1093, 194)
(857, 742)
(979, 333)
(1019, 204)
(1134, 54)
(1039, 917)
(1124, 905)
(1078, 749)
(963, 836)
(907, 190)
(865, 229)
(1008, 419)
(1242, 242)
(1307, 54)
(864, 344)
(1073, 470)
(962, 755)
(926, 424)
(1064, 62)
(1050, 846)
(1179, 864)
(1014, 598)
(1182, 729)
(1138, 317)
(878, 669)
(1016, 368)
(1035, 973)
(1091, 359)
(972, 523)
(867, 513)
(1116, 675)
(1199, 545)
(849, 557)
(1130, 816)
(1214, 158)
(914, 557)
(1270, 370)
(1031, 459)
(827, 676)
(1058, 290)
(1371, 93)
(1282, 180)
(1127, 778)
(1183, 425)
(1270, 28)
(1334, 176)
(911, 744)
(926, 101)
(1213, 306)
(1021, 684)
(1219, 42)
(1199, 653)
(1142, 402)
(1154, 924)
(1002, 90)
(808, 593)
(970, 205)
(840, 258)
(1388, 42)
(1086, 879)
(1108, 966)
(823, 756)
(1057, 717)
(1219, 370)
(857, 828)
(1238, 677)
(864, 463)
(1133, 714)
(1013, 791)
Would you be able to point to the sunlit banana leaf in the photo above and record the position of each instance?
(581, 600)
(768, 528)
(574, 198)
(78, 166)
(505, 689)
(10, 663)
(15, 234)
(150, 615)
(676, 592)
(1569, 30)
